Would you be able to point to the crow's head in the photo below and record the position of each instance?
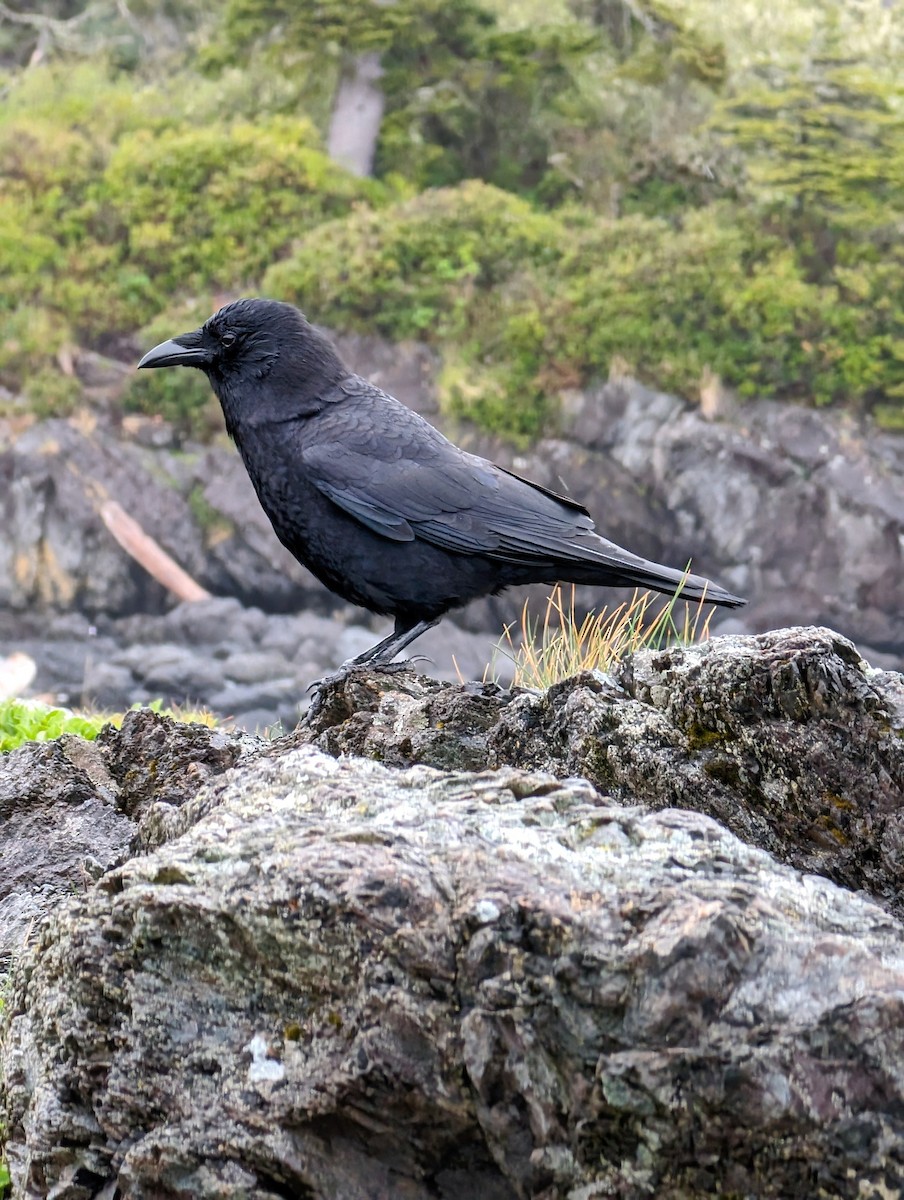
(252, 345)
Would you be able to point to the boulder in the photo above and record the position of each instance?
(70, 809)
(342, 979)
(407, 952)
(788, 738)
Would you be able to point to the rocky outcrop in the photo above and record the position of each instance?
(800, 510)
(57, 554)
(349, 981)
(315, 974)
(70, 809)
(789, 739)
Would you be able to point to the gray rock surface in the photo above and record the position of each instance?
(788, 738)
(800, 510)
(336, 979)
(69, 809)
(251, 667)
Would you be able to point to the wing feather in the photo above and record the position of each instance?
(402, 479)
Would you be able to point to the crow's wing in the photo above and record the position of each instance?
(392, 471)
(410, 482)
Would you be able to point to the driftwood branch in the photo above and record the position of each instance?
(149, 553)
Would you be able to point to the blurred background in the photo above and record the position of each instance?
(646, 252)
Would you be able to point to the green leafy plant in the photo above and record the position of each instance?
(676, 194)
(30, 721)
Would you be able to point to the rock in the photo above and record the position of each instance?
(65, 665)
(55, 551)
(59, 828)
(281, 696)
(105, 683)
(107, 378)
(800, 510)
(797, 509)
(172, 669)
(788, 738)
(159, 763)
(340, 979)
(190, 656)
(400, 718)
(69, 809)
(257, 666)
(209, 621)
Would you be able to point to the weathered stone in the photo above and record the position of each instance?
(59, 828)
(55, 551)
(69, 809)
(344, 980)
(800, 510)
(155, 760)
(788, 738)
(254, 666)
(171, 669)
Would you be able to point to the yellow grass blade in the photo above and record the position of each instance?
(544, 651)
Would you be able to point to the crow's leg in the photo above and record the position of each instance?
(379, 656)
(384, 652)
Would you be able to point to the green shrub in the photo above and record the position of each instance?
(29, 721)
(214, 206)
(414, 270)
(525, 303)
(30, 340)
(439, 267)
(184, 396)
(762, 244)
(112, 205)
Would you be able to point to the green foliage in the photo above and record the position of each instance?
(666, 184)
(408, 271)
(5, 1180)
(525, 303)
(436, 267)
(464, 97)
(182, 397)
(107, 211)
(213, 206)
(28, 721)
(30, 340)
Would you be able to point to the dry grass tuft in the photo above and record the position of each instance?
(545, 651)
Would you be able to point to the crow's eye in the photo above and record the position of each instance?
(227, 339)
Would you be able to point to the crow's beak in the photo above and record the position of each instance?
(184, 351)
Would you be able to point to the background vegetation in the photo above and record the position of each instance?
(685, 187)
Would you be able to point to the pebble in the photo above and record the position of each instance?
(105, 683)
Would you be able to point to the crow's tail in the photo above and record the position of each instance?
(623, 569)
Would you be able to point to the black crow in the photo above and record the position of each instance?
(382, 508)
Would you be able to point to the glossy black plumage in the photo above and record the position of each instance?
(376, 502)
